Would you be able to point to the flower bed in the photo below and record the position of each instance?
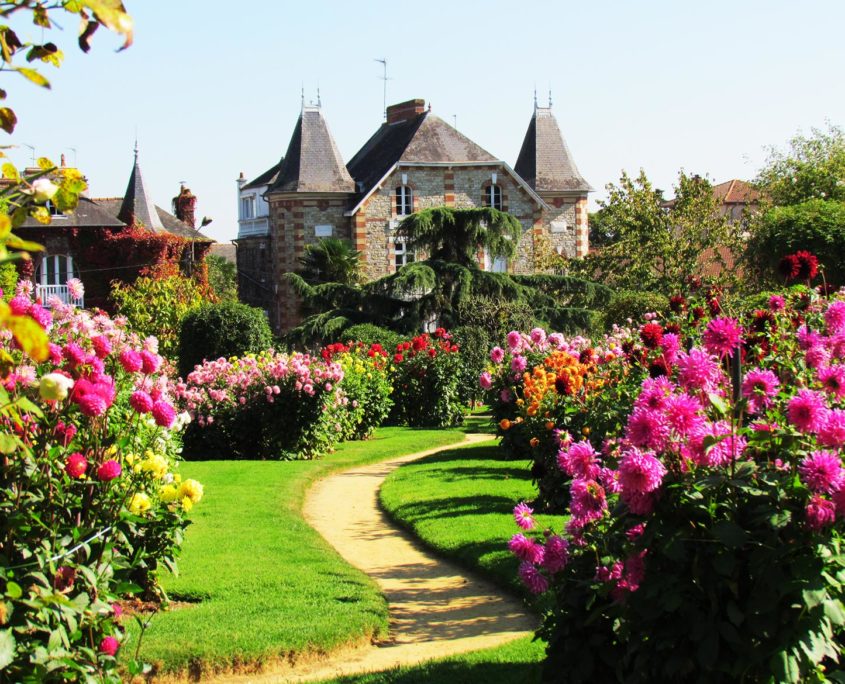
(703, 537)
(91, 505)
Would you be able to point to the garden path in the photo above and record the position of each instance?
(436, 608)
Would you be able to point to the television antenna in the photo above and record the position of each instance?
(384, 78)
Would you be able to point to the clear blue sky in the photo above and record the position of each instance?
(213, 87)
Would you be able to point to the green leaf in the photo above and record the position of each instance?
(718, 403)
(834, 610)
(13, 590)
(729, 533)
(7, 648)
(8, 443)
(34, 76)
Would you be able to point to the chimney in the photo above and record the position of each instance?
(405, 111)
(184, 205)
(241, 180)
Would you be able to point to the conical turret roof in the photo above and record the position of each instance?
(312, 162)
(137, 207)
(545, 161)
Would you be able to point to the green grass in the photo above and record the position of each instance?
(265, 584)
(517, 662)
(460, 503)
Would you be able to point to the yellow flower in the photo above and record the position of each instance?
(155, 464)
(139, 504)
(192, 490)
(111, 451)
(187, 504)
(169, 493)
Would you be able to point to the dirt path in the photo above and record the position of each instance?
(436, 609)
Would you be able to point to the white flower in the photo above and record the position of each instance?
(43, 190)
(54, 387)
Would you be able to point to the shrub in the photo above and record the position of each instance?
(627, 304)
(474, 343)
(90, 504)
(704, 533)
(264, 406)
(225, 329)
(427, 382)
(370, 334)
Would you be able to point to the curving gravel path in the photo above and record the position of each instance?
(436, 608)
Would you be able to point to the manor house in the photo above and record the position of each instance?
(413, 161)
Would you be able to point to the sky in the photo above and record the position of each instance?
(212, 88)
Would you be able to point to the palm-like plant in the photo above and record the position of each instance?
(331, 260)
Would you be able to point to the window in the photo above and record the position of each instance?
(497, 264)
(401, 254)
(53, 209)
(404, 200)
(56, 269)
(493, 196)
(248, 207)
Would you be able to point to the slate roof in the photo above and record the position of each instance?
(423, 138)
(169, 223)
(88, 214)
(312, 162)
(545, 161)
(267, 178)
(137, 204)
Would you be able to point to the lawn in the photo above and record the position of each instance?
(257, 583)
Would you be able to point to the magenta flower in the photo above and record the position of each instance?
(533, 578)
(497, 354)
(76, 465)
(538, 336)
(759, 387)
(587, 501)
(518, 364)
(777, 303)
(816, 357)
(485, 380)
(832, 431)
(94, 398)
(149, 362)
(523, 514)
(822, 472)
(832, 379)
(729, 448)
(654, 393)
(514, 340)
(834, 317)
(163, 413)
(526, 549)
(697, 371)
(683, 413)
(722, 336)
(806, 410)
(640, 472)
(646, 429)
(130, 360)
(671, 345)
(109, 646)
(141, 401)
(556, 555)
(808, 338)
(109, 470)
(580, 460)
(102, 346)
(820, 513)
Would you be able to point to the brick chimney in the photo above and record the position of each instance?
(184, 205)
(405, 111)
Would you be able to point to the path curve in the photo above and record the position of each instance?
(436, 608)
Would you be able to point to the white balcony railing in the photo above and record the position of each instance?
(255, 226)
(46, 292)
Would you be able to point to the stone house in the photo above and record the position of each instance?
(414, 160)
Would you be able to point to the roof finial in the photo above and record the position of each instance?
(302, 95)
(535, 98)
(550, 98)
(319, 101)
(136, 147)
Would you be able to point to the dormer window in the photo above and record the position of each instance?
(493, 196)
(404, 200)
(53, 209)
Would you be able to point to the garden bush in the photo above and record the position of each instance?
(427, 382)
(369, 334)
(703, 535)
(91, 505)
(262, 406)
(225, 329)
(631, 304)
(474, 344)
(366, 386)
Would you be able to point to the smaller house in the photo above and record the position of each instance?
(91, 243)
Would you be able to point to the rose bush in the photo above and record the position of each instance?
(704, 536)
(91, 505)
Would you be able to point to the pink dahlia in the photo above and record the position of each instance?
(518, 364)
(587, 501)
(130, 360)
(485, 380)
(832, 379)
(149, 362)
(94, 398)
(163, 413)
(777, 303)
(580, 460)
(820, 513)
(816, 357)
(638, 503)
(807, 338)
(557, 554)
(670, 345)
(834, 317)
(102, 346)
(832, 431)
(759, 387)
(109, 646)
(683, 413)
(822, 471)
(697, 370)
(640, 472)
(647, 429)
(533, 578)
(497, 354)
(538, 336)
(526, 549)
(523, 514)
(76, 465)
(109, 470)
(730, 447)
(722, 336)
(806, 410)
(654, 393)
(141, 401)
(514, 340)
